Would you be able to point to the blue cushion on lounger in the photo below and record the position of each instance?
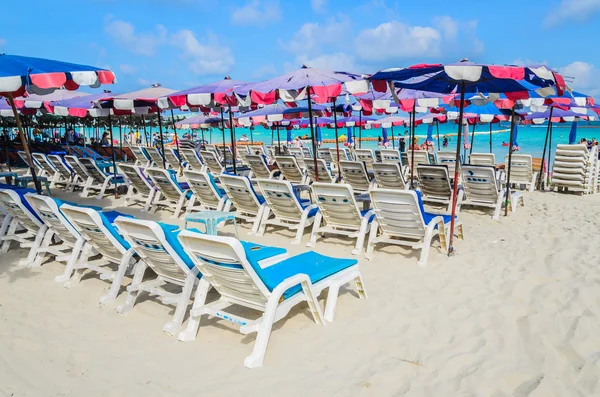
(22, 192)
(256, 252)
(108, 217)
(171, 234)
(315, 265)
(61, 202)
(211, 179)
(364, 212)
(427, 217)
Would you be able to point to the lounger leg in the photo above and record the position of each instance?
(315, 230)
(499, 202)
(179, 206)
(5, 224)
(39, 237)
(148, 204)
(194, 321)
(79, 267)
(263, 225)
(10, 232)
(118, 280)
(262, 338)
(71, 262)
(258, 219)
(425, 249)
(103, 189)
(190, 204)
(360, 241)
(133, 290)
(301, 227)
(40, 256)
(372, 236)
(173, 326)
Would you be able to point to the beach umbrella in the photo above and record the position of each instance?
(19, 75)
(313, 84)
(471, 78)
(198, 121)
(573, 133)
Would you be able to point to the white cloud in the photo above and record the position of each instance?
(318, 5)
(398, 40)
(311, 36)
(140, 43)
(576, 10)
(127, 69)
(206, 56)
(257, 13)
(585, 77)
(2, 42)
(448, 26)
(266, 70)
(338, 61)
(144, 82)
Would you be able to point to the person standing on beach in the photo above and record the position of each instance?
(445, 142)
(401, 143)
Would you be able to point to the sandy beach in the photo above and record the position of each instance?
(515, 313)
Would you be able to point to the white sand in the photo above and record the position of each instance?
(515, 313)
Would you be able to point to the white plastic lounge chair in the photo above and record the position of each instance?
(483, 190)
(421, 157)
(98, 179)
(173, 194)
(212, 162)
(298, 153)
(521, 171)
(193, 159)
(249, 205)
(289, 210)
(158, 248)
(206, 192)
(340, 214)
(389, 176)
(354, 173)
(258, 150)
(156, 157)
(39, 171)
(365, 156)
(66, 172)
(449, 160)
(325, 154)
(290, 168)
(140, 156)
(140, 189)
(402, 220)
(324, 172)
(435, 185)
(102, 238)
(259, 166)
(573, 168)
(48, 170)
(79, 170)
(390, 156)
(71, 242)
(237, 271)
(241, 153)
(172, 158)
(5, 220)
(26, 228)
(344, 154)
(482, 159)
(213, 149)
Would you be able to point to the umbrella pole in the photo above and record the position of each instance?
(472, 141)
(223, 132)
(360, 130)
(121, 136)
(145, 132)
(36, 183)
(162, 142)
(437, 129)
(412, 139)
(114, 161)
(312, 134)
(278, 141)
(510, 151)
(6, 139)
(457, 166)
(67, 135)
(176, 143)
(490, 137)
(337, 143)
(550, 149)
(251, 136)
(541, 173)
(393, 140)
(232, 141)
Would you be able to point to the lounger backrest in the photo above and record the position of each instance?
(448, 159)
(343, 154)
(192, 158)
(136, 178)
(221, 150)
(390, 156)
(222, 261)
(324, 173)
(204, 188)
(290, 168)
(365, 156)
(48, 209)
(435, 182)
(97, 231)
(92, 170)
(242, 154)
(298, 153)
(60, 165)
(77, 167)
(421, 157)
(354, 173)
(324, 153)
(14, 204)
(258, 150)
(479, 182)
(337, 205)
(213, 149)
(172, 158)
(43, 162)
(138, 154)
(520, 168)
(23, 157)
(212, 162)
(399, 212)
(155, 156)
(282, 200)
(389, 175)
(482, 159)
(166, 182)
(162, 254)
(258, 166)
(241, 193)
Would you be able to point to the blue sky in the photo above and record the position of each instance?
(182, 43)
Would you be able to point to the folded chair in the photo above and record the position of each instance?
(98, 179)
(205, 192)
(289, 210)
(249, 205)
(26, 228)
(340, 214)
(402, 220)
(66, 172)
(355, 174)
(173, 195)
(158, 248)
(521, 171)
(365, 156)
(290, 168)
(140, 189)
(237, 271)
(324, 172)
(435, 185)
(259, 166)
(483, 190)
(192, 159)
(389, 176)
(105, 248)
(140, 156)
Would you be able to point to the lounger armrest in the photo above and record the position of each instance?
(307, 289)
